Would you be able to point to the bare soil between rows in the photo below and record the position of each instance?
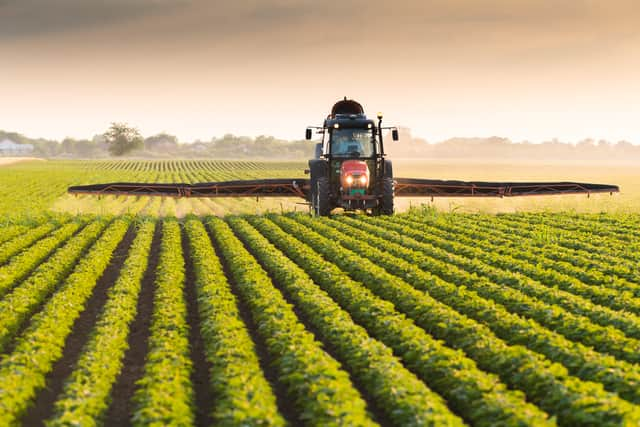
(44, 405)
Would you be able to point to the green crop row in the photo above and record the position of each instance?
(627, 224)
(596, 264)
(402, 397)
(578, 241)
(451, 267)
(576, 223)
(22, 264)
(164, 396)
(543, 241)
(23, 372)
(617, 376)
(18, 305)
(318, 388)
(242, 395)
(619, 221)
(22, 241)
(480, 262)
(548, 385)
(85, 397)
(609, 242)
(8, 232)
(588, 275)
(550, 278)
(477, 396)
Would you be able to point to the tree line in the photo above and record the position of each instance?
(123, 140)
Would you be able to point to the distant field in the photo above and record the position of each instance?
(35, 187)
(11, 160)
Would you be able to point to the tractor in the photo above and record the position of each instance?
(350, 170)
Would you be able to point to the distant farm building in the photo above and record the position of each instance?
(10, 148)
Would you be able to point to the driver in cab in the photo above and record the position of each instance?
(346, 145)
(353, 143)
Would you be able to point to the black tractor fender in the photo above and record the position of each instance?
(387, 169)
(386, 189)
(317, 168)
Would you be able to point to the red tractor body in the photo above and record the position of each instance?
(354, 177)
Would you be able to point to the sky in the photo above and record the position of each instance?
(526, 70)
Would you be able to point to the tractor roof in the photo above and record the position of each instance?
(346, 107)
(348, 113)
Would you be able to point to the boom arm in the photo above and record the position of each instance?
(294, 187)
(245, 188)
(409, 187)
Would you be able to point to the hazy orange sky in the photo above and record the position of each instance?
(523, 69)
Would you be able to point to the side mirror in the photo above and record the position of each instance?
(307, 134)
(394, 134)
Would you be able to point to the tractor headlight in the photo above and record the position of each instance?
(349, 180)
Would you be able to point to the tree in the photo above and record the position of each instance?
(161, 141)
(121, 139)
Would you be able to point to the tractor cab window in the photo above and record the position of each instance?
(352, 143)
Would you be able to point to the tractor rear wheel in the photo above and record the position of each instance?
(386, 202)
(321, 197)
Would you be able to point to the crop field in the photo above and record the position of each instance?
(160, 314)
(30, 188)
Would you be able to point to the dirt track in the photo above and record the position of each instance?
(10, 160)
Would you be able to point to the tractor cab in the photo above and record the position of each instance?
(352, 142)
(349, 169)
